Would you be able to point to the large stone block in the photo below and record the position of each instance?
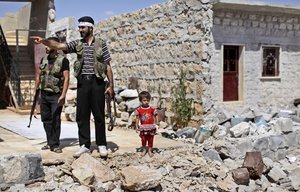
(244, 146)
(227, 149)
(295, 175)
(261, 144)
(240, 130)
(87, 162)
(276, 173)
(140, 178)
(277, 142)
(241, 176)
(254, 163)
(277, 155)
(20, 169)
(286, 125)
(212, 155)
(291, 139)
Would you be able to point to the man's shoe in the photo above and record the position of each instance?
(102, 151)
(82, 150)
(45, 147)
(56, 150)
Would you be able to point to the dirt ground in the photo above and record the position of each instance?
(119, 140)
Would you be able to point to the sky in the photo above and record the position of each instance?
(102, 9)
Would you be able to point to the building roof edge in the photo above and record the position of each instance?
(256, 6)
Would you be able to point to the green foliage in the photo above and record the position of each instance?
(159, 101)
(182, 106)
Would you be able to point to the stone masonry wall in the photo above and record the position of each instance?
(154, 43)
(252, 29)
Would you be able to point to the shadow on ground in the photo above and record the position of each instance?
(110, 146)
(66, 142)
(154, 150)
(69, 142)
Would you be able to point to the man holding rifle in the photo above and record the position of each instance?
(90, 69)
(52, 79)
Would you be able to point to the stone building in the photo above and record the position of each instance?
(237, 54)
(256, 54)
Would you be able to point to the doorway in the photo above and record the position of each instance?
(231, 72)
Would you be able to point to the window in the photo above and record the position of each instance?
(270, 64)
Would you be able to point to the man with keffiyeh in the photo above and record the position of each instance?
(91, 68)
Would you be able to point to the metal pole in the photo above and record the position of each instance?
(18, 67)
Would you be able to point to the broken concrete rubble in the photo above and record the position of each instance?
(137, 178)
(187, 168)
(241, 129)
(207, 163)
(187, 132)
(100, 171)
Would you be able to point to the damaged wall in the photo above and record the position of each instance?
(154, 43)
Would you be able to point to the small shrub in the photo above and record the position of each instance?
(182, 107)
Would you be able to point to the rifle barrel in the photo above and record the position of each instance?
(33, 106)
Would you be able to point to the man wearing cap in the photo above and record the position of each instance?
(90, 69)
(52, 79)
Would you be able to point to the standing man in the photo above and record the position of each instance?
(90, 69)
(52, 79)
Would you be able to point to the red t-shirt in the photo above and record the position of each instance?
(146, 115)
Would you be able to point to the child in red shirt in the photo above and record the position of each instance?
(146, 115)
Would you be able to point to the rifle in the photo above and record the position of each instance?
(37, 91)
(112, 118)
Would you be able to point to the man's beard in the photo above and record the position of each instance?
(85, 34)
(50, 51)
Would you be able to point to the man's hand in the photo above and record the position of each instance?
(157, 126)
(61, 100)
(37, 39)
(110, 91)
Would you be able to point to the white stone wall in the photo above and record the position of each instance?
(252, 29)
(154, 43)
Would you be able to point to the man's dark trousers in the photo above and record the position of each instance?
(50, 115)
(90, 98)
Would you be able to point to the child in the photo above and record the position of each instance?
(145, 115)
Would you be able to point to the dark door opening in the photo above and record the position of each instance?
(231, 73)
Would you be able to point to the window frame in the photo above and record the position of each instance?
(278, 57)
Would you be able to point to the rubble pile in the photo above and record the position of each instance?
(244, 152)
(214, 165)
(190, 168)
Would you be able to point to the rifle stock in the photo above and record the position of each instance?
(112, 117)
(37, 91)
